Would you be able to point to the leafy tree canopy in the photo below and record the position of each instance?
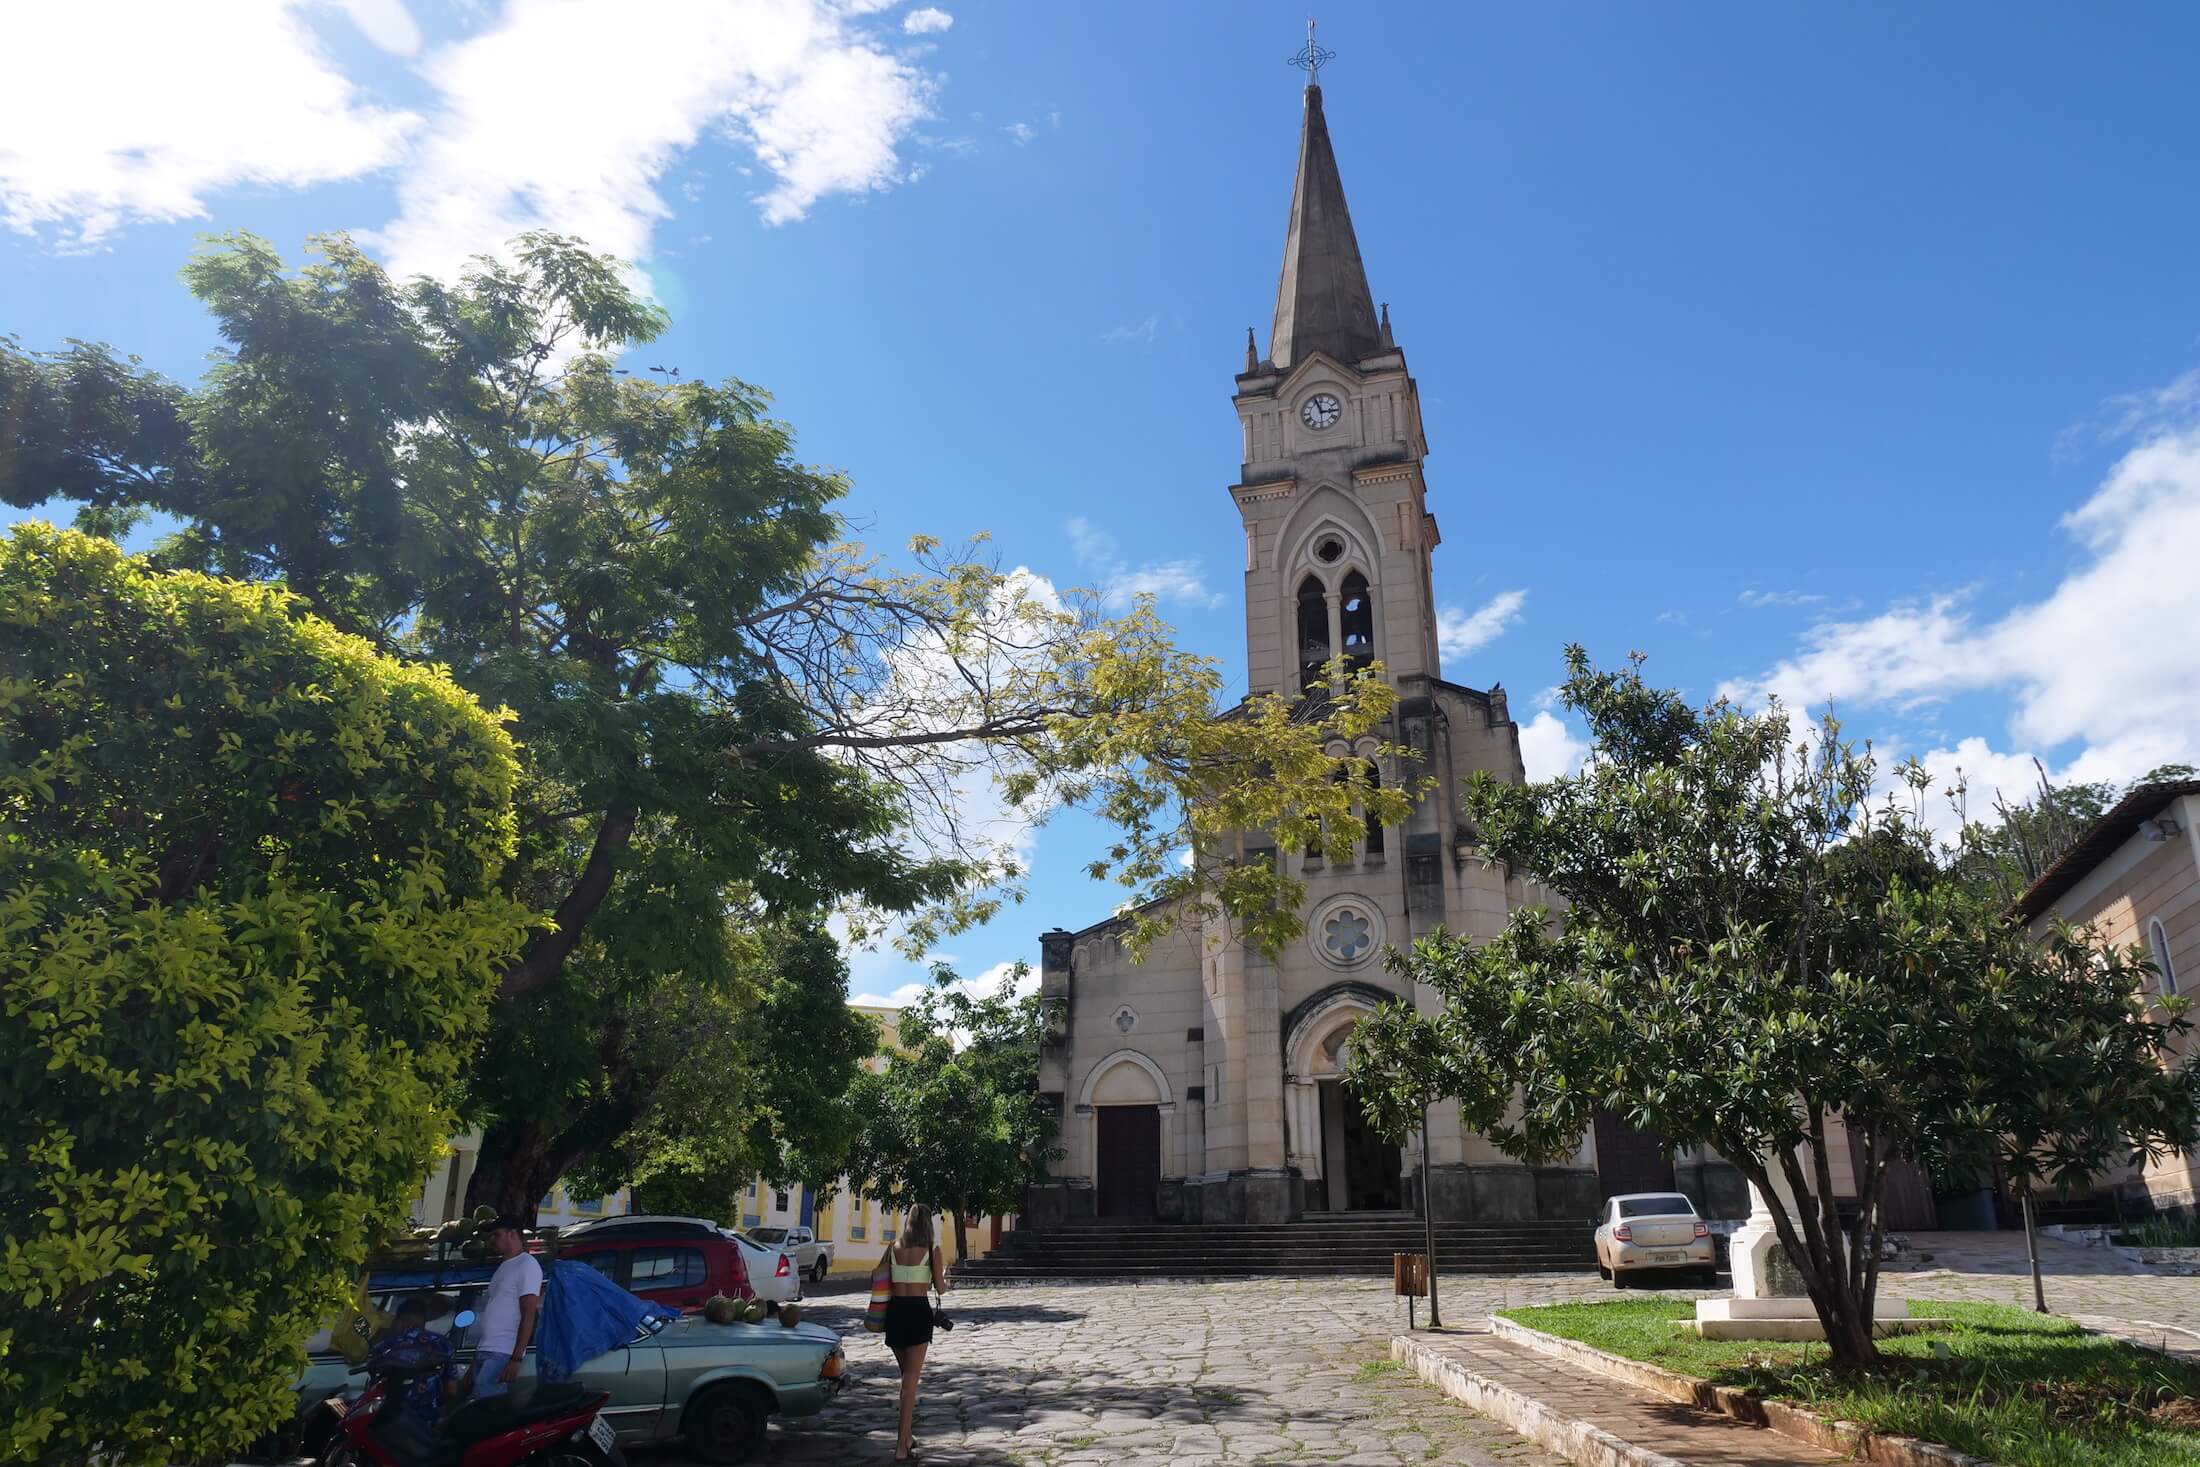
(745, 1080)
(719, 698)
(250, 923)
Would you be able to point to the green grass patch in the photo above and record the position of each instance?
(2018, 1388)
(1377, 1369)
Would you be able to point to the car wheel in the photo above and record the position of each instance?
(1603, 1272)
(817, 1274)
(1619, 1280)
(726, 1422)
(1708, 1275)
(584, 1453)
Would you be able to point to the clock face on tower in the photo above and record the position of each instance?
(1320, 411)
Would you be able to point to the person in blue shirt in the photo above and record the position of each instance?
(408, 1421)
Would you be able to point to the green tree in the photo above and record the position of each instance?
(955, 1120)
(250, 922)
(718, 697)
(752, 1080)
(1749, 949)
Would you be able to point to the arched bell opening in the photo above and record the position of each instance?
(1356, 619)
(1313, 638)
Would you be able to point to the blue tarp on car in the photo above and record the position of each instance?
(585, 1315)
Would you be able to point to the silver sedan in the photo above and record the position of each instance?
(1652, 1230)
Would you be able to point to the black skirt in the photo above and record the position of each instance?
(908, 1321)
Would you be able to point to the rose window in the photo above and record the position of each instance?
(1347, 935)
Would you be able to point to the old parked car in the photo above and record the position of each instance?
(712, 1386)
(679, 1262)
(812, 1255)
(1652, 1230)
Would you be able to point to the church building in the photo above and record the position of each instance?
(1203, 1084)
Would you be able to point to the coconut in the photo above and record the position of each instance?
(754, 1314)
(485, 1213)
(722, 1310)
(790, 1315)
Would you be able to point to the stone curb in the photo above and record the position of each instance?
(1577, 1441)
(1883, 1449)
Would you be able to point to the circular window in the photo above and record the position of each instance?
(1329, 550)
(1346, 932)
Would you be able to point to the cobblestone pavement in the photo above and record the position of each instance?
(1296, 1371)
(1197, 1375)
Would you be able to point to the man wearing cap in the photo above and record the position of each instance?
(508, 1310)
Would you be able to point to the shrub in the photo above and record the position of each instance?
(249, 922)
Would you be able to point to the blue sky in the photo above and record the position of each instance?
(1850, 352)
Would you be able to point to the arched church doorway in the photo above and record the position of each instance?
(1349, 1167)
(1128, 1099)
(1361, 1171)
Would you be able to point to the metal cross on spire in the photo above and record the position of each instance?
(1311, 58)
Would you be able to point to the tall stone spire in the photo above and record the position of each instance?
(1322, 301)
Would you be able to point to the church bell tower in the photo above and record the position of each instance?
(1337, 528)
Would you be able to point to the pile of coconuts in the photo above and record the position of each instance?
(720, 1309)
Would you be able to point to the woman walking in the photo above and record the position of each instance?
(912, 1266)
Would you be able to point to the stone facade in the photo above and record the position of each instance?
(1202, 1084)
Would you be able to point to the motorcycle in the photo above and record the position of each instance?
(549, 1426)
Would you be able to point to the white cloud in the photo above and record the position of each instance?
(1459, 633)
(1021, 132)
(1142, 332)
(1119, 581)
(926, 21)
(1780, 598)
(387, 23)
(819, 101)
(978, 985)
(2108, 664)
(166, 108)
(115, 113)
(1550, 748)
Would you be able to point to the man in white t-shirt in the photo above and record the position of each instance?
(508, 1310)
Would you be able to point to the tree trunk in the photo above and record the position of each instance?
(509, 1172)
(1846, 1321)
(962, 1237)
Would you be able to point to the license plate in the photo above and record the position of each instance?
(600, 1432)
(1665, 1258)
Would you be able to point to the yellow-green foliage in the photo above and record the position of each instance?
(249, 922)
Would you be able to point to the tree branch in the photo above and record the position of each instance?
(547, 954)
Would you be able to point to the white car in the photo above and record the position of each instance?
(812, 1254)
(1653, 1230)
(773, 1272)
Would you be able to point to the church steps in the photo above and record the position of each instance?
(1115, 1250)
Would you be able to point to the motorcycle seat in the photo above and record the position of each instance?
(477, 1421)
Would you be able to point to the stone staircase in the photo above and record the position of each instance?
(1318, 1246)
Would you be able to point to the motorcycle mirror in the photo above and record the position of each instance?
(463, 1318)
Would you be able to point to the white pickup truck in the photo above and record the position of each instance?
(811, 1254)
